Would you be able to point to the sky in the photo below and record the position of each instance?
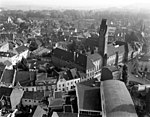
(76, 3)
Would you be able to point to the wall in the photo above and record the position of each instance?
(63, 85)
(31, 102)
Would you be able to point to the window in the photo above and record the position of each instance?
(32, 89)
(25, 100)
(29, 100)
(34, 101)
(59, 85)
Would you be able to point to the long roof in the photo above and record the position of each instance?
(117, 100)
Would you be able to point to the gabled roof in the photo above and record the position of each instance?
(89, 64)
(39, 112)
(21, 49)
(22, 76)
(5, 91)
(15, 97)
(57, 103)
(7, 76)
(111, 49)
(33, 95)
(94, 57)
(88, 98)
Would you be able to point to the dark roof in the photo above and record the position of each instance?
(62, 114)
(88, 97)
(38, 95)
(57, 103)
(5, 91)
(21, 49)
(75, 57)
(22, 76)
(90, 82)
(7, 76)
(118, 102)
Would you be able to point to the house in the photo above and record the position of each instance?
(40, 51)
(31, 98)
(88, 99)
(116, 100)
(57, 104)
(24, 78)
(22, 51)
(5, 96)
(62, 45)
(5, 47)
(7, 77)
(12, 77)
(115, 53)
(67, 80)
(110, 72)
(6, 56)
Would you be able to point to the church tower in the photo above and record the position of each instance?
(103, 40)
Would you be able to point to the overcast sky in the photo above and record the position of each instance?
(76, 3)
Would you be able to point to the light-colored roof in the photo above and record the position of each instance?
(39, 112)
(95, 57)
(15, 97)
(117, 100)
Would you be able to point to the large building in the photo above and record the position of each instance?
(88, 64)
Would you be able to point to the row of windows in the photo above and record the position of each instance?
(31, 101)
(69, 83)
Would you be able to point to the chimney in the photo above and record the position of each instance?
(103, 40)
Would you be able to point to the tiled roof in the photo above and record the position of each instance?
(5, 91)
(89, 64)
(94, 57)
(33, 95)
(57, 103)
(39, 112)
(41, 76)
(88, 98)
(76, 58)
(61, 114)
(111, 50)
(22, 76)
(21, 49)
(7, 76)
(118, 102)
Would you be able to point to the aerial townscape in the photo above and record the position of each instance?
(74, 63)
